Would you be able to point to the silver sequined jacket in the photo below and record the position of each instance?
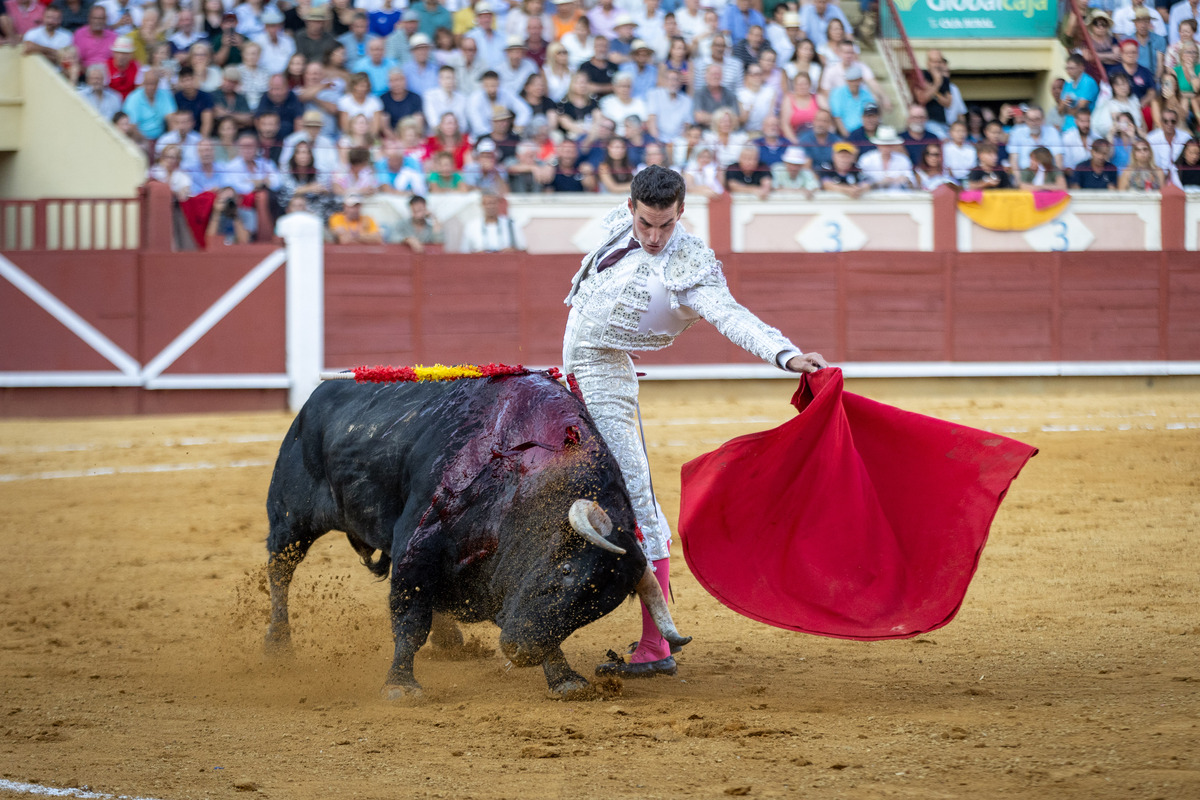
(690, 268)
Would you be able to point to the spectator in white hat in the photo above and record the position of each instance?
(620, 47)
(422, 70)
(887, 167)
(793, 173)
(277, 44)
(485, 173)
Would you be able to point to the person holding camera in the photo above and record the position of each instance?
(225, 220)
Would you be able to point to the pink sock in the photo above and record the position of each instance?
(653, 647)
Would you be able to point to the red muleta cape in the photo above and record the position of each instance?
(855, 519)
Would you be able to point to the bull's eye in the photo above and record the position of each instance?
(566, 569)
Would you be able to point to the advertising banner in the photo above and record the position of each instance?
(978, 19)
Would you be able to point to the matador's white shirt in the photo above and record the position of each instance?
(644, 301)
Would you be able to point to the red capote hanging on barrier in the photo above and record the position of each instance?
(855, 519)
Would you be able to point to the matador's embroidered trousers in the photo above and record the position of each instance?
(609, 385)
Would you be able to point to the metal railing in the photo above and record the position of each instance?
(897, 52)
(71, 224)
(1089, 47)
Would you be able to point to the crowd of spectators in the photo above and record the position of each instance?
(322, 105)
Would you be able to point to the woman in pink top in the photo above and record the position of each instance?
(799, 108)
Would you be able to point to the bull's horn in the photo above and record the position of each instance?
(652, 595)
(589, 521)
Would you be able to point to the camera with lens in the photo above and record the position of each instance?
(229, 208)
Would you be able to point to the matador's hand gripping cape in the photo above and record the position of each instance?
(855, 519)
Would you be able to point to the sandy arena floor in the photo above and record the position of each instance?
(132, 616)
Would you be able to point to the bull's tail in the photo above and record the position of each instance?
(381, 566)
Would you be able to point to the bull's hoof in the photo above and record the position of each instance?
(574, 687)
(278, 642)
(392, 692)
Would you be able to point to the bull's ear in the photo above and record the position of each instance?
(591, 522)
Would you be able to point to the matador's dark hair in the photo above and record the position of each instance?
(658, 187)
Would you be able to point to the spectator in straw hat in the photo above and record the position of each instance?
(324, 149)
(1152, 48)
(1123, 19)
(642, 69)
(502, 133)
(784, 32)
(315, 41)
(794, 174)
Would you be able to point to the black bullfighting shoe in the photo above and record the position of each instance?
(617, 668)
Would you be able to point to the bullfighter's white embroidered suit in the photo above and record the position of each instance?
(643, 302)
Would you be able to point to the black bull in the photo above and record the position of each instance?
(485, 498)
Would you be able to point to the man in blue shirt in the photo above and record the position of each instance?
(815, 19)
(376, 65)
(642, 68)
(737, 19)
(1152, 48)
(431, 15)
(148, 106)
(1079, 93)
(848, 101)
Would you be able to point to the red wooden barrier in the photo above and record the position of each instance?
(386, 305)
